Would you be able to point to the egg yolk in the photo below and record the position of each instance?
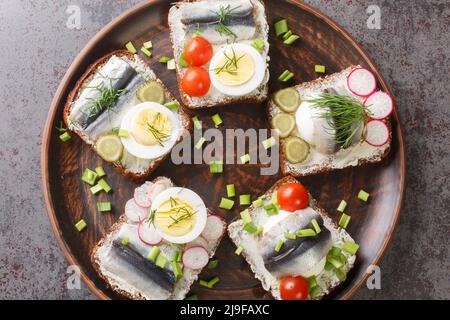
(175, 217)
(151, 127)
(234, 68)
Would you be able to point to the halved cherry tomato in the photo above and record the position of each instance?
(196, 81)
(294, 288)
(292, 197)
(198, 51)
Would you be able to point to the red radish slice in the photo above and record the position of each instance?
(214, 228)
(134, 212)
(377, 133)
(380, 104)
(197, 242)
(157, 188)
(195, 258)
(141, 197)
(148, 234)
(361, 82)
(148, 187)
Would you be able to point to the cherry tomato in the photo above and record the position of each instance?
(292, 197)
(293, 288)
(198, 51)
(196, 81)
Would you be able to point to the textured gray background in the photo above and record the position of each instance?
(411, 50)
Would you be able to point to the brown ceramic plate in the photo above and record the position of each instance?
(322, 42)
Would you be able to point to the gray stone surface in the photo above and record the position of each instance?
(411, 50)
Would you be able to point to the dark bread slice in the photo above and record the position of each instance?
(87, 76)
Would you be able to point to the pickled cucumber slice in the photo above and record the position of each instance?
(151, 91)
(296, 150)
(284, 123)
(287, 100)
(109, 147)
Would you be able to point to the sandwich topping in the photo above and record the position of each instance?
(151, 127)
(234, 68)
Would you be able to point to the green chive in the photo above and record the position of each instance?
(147, 52)
(305, 233)
(125, 241)
(350, 247)
(213, 282)
(123, 133)
(314, 292)
(245, 216)
(176, 256)
(89, 176)
(148, 45)
(286, 76)
(164, 59)
(192, 297)
(340, 274)
(204, 283)
(269, 143)
(319, 68)
(130, 47)
(245, 158)
(316, 226)
(153, 255)
(161, 261)
(291, 39)
(271, 209)
(212, 264)
(364, 196)
(100, 172)
(343, 222)
(258, 44)
(105, 186)
(65, 137)
(80, 225)
(238, 250)
(245, 199)
(226, 204)
(104, 206)
(172, 105)
(197, 122)
(312, 282)
(217, 120)
(287, 35)
(258, 203)
(182, 61)
(176, 269)
(279, 245)
(250, 228)
(335, 251)
(281, 27)
(200, 143)
(216, 167)
(290, 236)
(231, 190)
(342, 206)
(96, 189)
(335, 262)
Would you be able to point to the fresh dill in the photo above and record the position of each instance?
(151, 217)
(183, 217)
(61, 128)
(105, 101)
(223, 14)
(173, 202)
(158, 134)
(344, 115)
(231, 64)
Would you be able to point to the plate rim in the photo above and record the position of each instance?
(117, 21)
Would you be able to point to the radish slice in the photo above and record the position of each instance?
(158, 187)
(377, 133)
(214, 228)
(195, 258)
(361, 82)
(197, 242)
(148, 234)
(148, 187)
(134, 212)
(141, 197)
(380, 104)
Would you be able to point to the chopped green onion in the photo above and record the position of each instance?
(238, 250)
(350, 247)
(259, 231)
(212, 264)
(130, 47)
(364, 196)
(96, 189)
(286, 76)
(226, 204)
(217, 120)
(164, 59)
(125, 241)
(148, 45)
(147, 52)
(335, 262)
(305, 233)
(319, 68)
(123, 133)
(213, 282)
(328, 266)
(312, 282)
(258, 44)
(161, 261)
(176, 269)
(342, 206)
(176, 256)
(197, 122)
(343, 222)
(182, 61)
(200, 143)
(172, 105)
(316, 226)
(192, 297)
(290, 236)
(154, 254)
(171, 64)
(314, 291)
(105, 186)
(269, 143)
(216, 167)
(335, 251)
(65, 137)
(245, 216)
(287, 35)
(271, 209)
(250, 228)
(245, 199)
(340, 274)
(258, 203)
(279, 245)
(281, 27)
(204, 283)
(89, 176)
(104, 206)
(343, 259)
(291, 39)
(231, 190)
(80, 225)
(245, 158)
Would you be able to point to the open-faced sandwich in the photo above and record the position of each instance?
(121, 109)
(221, 49)
(332, 123)
(159, 246)
(292, 245)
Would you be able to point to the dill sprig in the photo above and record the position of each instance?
(231, 64)
(151, 217)
(183, 217)
(223, 14)
(158, 134)
(106, 100)
(344, 115)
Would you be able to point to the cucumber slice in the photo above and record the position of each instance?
(284, 123)
(109, 147)
(151, 91)
(296, 150)
(287, 100)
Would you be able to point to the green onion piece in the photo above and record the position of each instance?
(104, 206)
(123, 133)
(164, 59)
(182, 61)
(250, 228)
(245, 158)
(258, 203)
(105, 186)
(258, 44)
(319, 68)
(343, 259)
(125, 241)
(350, 247)
(176, 269)
(154, 254)
(286, 76)
(200, 143)
(161, 261)
(213, 282)
(342, 206)
(80, 225)
(100, 172)
(176, 256)
(65, 137)
(314, 292)
(259, 231)
(316, 226)
(279, 245)
(312, 282)
(289, 77)
(335, 262)
(271, 209)
(269, 143)
(343, 222)
(217, 120)
(96, 189)
(197, 122)
(192, 297)
(171, 64)
(172, 105)
(340, 274)
(204, 283)
(281, 27)
(287, 35)
(216, 167)
(89, 176)
(130, 47)
(226, 204)
(335, 251)
(238, 250)
(231, 190)
(290, 236)
(147, 52)
(305, 233)
(245, 216)
(364, 196)
(148, 45)
(212, 264)
(291, 39)
(328, 266)
(245, 199)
